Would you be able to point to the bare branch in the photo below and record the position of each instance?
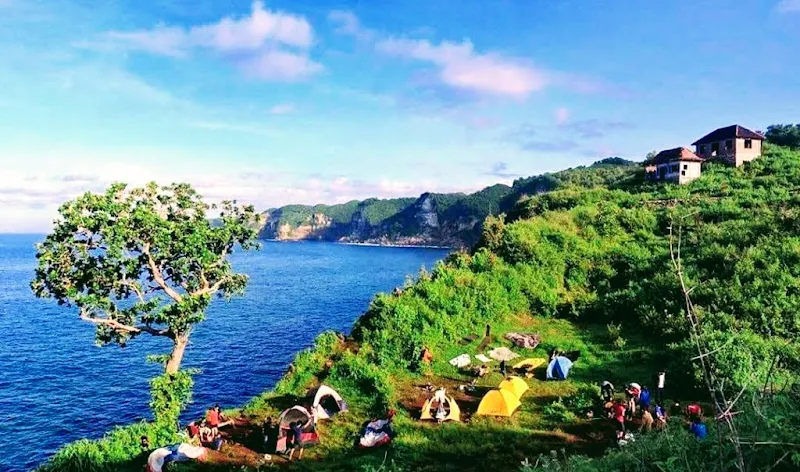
(157, 277)
(116, 325)
(212, 288)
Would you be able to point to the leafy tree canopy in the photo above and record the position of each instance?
(143, 260)
(784, 135)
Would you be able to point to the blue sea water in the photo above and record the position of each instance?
(56, 386)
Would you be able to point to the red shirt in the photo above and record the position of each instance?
(619, 412)
(213, 418)
(694, 409)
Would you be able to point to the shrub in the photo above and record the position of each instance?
(558, 412)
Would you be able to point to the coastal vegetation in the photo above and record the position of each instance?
(634, 276)
(145, 261)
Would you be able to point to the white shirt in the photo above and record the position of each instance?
(661, 380)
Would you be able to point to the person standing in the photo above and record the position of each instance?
(503, 367)
(660, 390)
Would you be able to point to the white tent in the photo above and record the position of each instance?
(326, 403)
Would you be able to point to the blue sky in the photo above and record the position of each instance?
(306, 101)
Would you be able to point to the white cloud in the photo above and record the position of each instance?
(788, 6)
(562, 115)
(282, 109)
(279, 66)
(461, 67)
(257, 43)
(30, 199)
(347, 23)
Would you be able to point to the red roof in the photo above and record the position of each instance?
(674, 155)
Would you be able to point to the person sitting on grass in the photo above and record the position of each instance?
(193, 431)
(661, 416)
(216, 419)
(483, 370)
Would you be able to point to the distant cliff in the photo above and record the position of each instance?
(436, 219)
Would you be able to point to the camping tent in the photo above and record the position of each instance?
(308, 435)
(449, 407)
(559, 368)
(529, 363)
(326, 402)
(515, 385)
(175, 453)
(499, 402)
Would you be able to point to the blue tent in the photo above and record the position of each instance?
(559, 368)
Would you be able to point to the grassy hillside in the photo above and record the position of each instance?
(587, 266)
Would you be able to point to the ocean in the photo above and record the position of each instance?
(56, 386)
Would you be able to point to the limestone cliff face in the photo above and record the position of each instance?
(315, 227)
(419, 224)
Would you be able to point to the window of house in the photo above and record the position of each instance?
(683, 172)
(685, 166)
(748, 144)
(702, 149)
(673, 168)
(715, 147)
(729, 145)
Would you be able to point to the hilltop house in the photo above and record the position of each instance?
(734, 144)
(677, 165)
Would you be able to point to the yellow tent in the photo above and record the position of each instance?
(431, 405)
(515, 385)
(529, 363)
(498, 403)
(527, 366)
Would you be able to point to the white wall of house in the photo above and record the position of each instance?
(681, 172)
(747, 154)
(689, 171)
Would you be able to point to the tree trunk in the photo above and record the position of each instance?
(175, 358)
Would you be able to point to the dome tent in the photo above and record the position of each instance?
(448, 405)
(499, 402)
(515, 385)
(559, 368)
(294, 414)
(326, 402)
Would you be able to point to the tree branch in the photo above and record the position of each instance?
(116, 325)
(136, 289)
(210, 289)
(157, 277)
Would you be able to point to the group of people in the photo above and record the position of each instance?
(637, 404)
(206, 432)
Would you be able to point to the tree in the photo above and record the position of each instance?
(143, 261)
(784, 135)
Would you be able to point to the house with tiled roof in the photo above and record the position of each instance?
(733, 144)
(678, 165)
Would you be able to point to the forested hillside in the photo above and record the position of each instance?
(438, 219)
